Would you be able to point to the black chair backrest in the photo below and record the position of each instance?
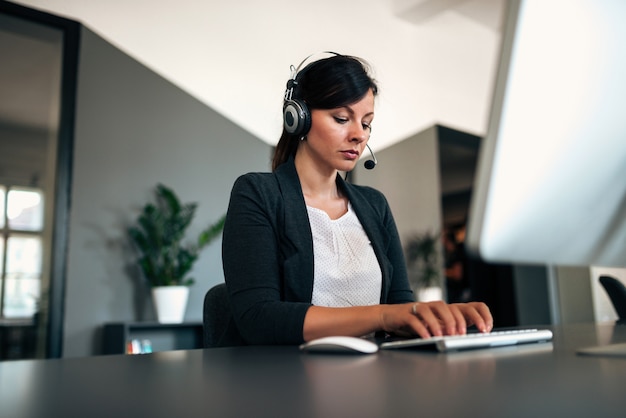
(216, 315)
(617, 293)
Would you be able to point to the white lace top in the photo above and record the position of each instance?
(346, 270)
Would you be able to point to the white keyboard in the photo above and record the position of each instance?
(473, 340)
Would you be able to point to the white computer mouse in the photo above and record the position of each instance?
(340, 344)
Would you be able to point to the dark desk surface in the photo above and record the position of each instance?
(528, 381)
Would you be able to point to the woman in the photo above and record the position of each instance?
(307, 255)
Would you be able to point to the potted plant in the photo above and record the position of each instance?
(164, 260)
(423, 267)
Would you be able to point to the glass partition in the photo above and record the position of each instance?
(37, 90)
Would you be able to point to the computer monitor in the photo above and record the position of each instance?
(551, 178)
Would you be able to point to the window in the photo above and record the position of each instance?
(21, 250)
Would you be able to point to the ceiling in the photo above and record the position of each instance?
(434, 59)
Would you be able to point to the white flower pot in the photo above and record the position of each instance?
(428, 294)
(170, 303)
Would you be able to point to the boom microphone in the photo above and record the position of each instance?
(370, 164)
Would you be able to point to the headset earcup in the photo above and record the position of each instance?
(296, 117)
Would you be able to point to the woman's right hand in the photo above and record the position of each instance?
(428, 319)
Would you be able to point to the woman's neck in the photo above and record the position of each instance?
(316, 182)
(320, 188)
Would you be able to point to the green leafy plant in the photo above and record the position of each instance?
(158, 235)
(422, 257)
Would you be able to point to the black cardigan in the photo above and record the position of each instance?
(267, 254)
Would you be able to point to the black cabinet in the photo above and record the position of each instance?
(120, 337)
(18, 339)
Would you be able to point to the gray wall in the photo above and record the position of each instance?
(573, 293)
(408, 174)
(553, 294)
(133, 130)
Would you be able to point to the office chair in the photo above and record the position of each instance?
(216, 315)
(617, 293)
